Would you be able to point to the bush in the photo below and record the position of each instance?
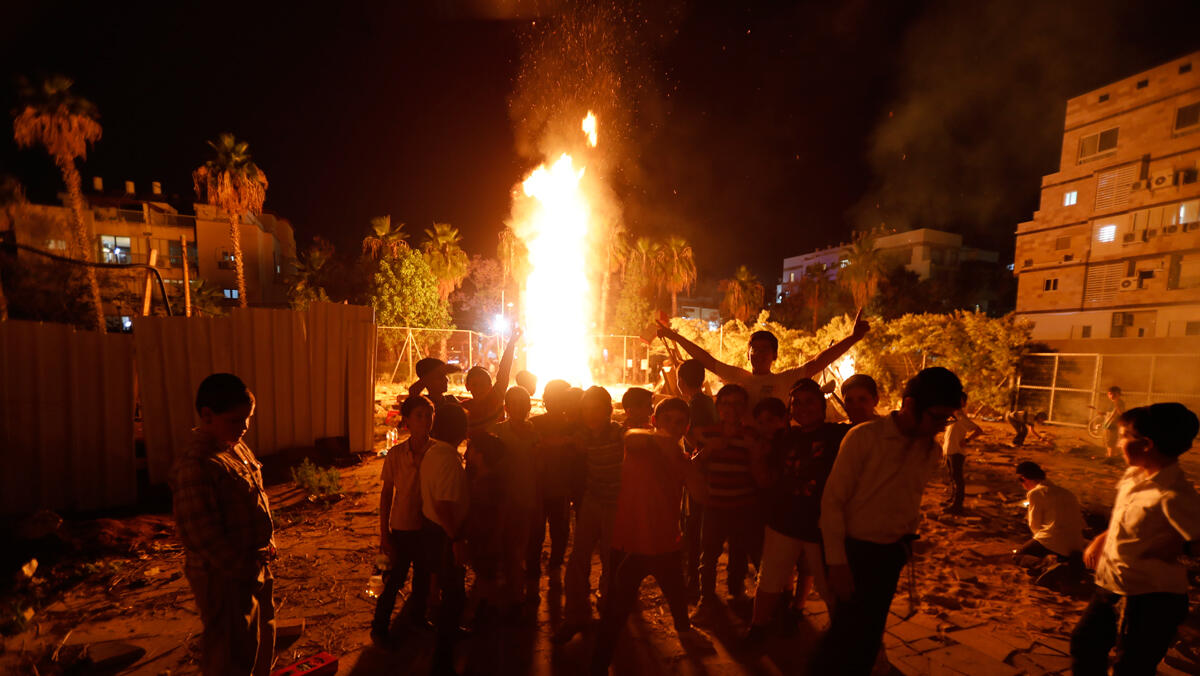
(315, 481)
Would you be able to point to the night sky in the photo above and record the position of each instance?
(757, 131)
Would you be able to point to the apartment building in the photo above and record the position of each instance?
(924, 251)
(1113, 250)
(124, 228)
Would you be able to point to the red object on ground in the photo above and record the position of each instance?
(321, 664)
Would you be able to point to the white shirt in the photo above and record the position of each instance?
(1055, 518)
(766, 385)
(443, 478)
(1153, 517)
(874, 490)
(402, 468)
(953, 437)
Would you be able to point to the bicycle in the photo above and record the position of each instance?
(1095, 426)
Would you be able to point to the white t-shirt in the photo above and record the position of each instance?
(1055, 518)
(953, 437)
(443, 478)
(402, 468)
(766, 385)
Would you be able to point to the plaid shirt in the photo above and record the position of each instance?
(220, 506)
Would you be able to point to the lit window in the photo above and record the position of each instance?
(56, 244)
(791, 276)
(844, 263)
(1070, 198)
(126, 323)
(232, 294)
(114, 249)
(1107, 233)
(226, 261)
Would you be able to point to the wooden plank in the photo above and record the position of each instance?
(57, 414)
(119, 463)
(21, 475)
(87, 406)
(319, 382)
(300, 371)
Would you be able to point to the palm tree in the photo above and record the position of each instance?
(678, 268)
(385, 238)
(207, 299)
(66, 125)
(514, 263)
(743, 295)
(12, 199)
(614, 247)
(864, 267)
(812, 288)
(446, 258)
(304, 284)
(646, 257)
(232, 182)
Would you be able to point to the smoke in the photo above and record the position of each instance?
(981, 96)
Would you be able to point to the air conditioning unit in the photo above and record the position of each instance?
(1170, 229)
(1139, 185)
(1128, 237)
(1162, 179)
(1128, 284)
(1188, 176)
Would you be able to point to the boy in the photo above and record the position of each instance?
(1156, 518)
(522, 508)
(957, 435)
(1023, 423)
(1110, 421)
(528, 381)
(602, 450)
(400, 520)
(433, 378)
(794, 475)
(1054, 516)
(860, 395)
(638, 404)
(759, 381)
(870, 511)
(702, 413)
(485, 408)
(770, 417)
(556, 457)
(224, 521)
(445, 499)
(646, 537)
(731, 513)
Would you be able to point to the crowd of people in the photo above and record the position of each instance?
(764, 473)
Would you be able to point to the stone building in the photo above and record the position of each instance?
(1113, 252)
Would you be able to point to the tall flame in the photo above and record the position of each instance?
(589, 128)
(558, 303)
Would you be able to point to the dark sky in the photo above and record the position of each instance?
(758, 131)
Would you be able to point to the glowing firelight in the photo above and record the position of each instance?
(589, 128)
(558, 297)
(844, 367)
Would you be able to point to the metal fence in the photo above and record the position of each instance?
(1072, 387)
(614, 359)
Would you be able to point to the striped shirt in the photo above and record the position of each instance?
(603, 453)
(727, 471)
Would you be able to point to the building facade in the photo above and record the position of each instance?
(124, 229)
(923, 251)
(1113, 250)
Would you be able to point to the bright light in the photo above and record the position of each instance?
(589, 128)
(1070, 198)
(501, 325)
(844, 367)
(1106, 233)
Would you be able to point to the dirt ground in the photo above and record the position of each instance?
(975, 612)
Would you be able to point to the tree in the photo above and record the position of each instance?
(615, 245)
(478, 299)
(234, 183)
(864, 268)
(678, 269)
(386, 238)
(634, 311)
(406, 294)
(446, 259)
(514, 264)
(12, 200)
(305, 284)
(743, 295)
(646, 258)
(66, 125)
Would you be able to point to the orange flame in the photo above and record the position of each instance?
(589, 128)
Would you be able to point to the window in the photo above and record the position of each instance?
(126, 323)
(1062, 243)
(226, 262)
(175, 254)
(1185, 68)
(791, 275)
(1103, 98)
(231, 294)
(1106, 233)
(844, 263)
(56, 245)
(1085, 332)
(1187, 117)
(1142, 84)
(1099, 144)
(114, 249)
(1050, 284)
(1028, 263)
(1191, 329)
(1069, 198)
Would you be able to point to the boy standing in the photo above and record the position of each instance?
(957, 435)
(702, 413)
(433, 378)
(556, 454)
(224, 521)
(400, 520)
(638, 404)
(731, 513)
(602, 450)
(445, 498)
(646, 536)
(1110, 421)
(870, 511)
(523, 506)
(860, 396)
(759, 381)
(1156, 518)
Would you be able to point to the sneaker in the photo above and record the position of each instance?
(567, 631)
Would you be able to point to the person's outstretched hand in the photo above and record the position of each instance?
(517, 333)
(861, 326)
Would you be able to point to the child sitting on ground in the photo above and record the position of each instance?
(1155, 520)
